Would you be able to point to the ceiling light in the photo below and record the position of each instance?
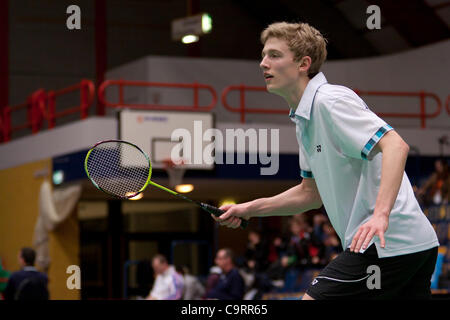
(190, 38)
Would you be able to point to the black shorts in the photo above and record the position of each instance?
(365, 276)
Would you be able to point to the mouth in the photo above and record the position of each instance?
(267, 76)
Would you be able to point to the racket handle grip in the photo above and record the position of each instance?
(217, 212)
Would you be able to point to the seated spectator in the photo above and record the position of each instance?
(305, 248)
(276, 249)
(212, 280)
(4, 276)
(168, 283)
(319, 220)
(332, 244)
(28, 283)
(230, 285)
(256, 253)
(193, 289)
(436, 189)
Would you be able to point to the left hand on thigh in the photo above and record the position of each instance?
(377, 225)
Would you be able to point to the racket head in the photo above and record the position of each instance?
(118, 168)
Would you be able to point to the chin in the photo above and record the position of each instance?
(272, 89)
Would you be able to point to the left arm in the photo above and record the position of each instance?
(395, 152)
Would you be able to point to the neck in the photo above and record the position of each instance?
(227, 269)
(294, 95)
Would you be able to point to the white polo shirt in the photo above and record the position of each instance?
(336, 133)
(168, 285)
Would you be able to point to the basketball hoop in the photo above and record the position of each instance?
(175, 171)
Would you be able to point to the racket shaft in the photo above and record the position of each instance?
(208, 208)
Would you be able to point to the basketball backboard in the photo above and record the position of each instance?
(157, 133)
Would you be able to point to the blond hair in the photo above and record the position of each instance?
(302, 39)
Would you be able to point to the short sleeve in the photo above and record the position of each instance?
(355, 127)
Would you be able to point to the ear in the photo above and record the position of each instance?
(304, 64)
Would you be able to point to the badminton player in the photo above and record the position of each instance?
(352, 162)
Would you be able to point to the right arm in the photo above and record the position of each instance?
(301, 198)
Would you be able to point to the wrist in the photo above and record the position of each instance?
(381, 213)
(255, 208)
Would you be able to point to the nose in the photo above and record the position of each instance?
(263, 65)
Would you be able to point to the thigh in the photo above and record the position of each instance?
(349, 276)
(345, 277)
(418, 287)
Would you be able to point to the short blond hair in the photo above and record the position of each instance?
(302, 39)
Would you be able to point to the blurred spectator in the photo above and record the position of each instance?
(304, 248)
(28, 283)
(332, 244)
(230, 285)
(319, 220)
(436, 189)
(276, 249)
(193, 289)
(213, 279)
(4, 276)
(168, 283)
(256, 253)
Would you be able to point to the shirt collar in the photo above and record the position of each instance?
(29, 268)
(305, 104)
(169, 270)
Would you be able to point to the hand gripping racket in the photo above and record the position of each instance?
(123, 170)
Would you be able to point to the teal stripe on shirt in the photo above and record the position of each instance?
(374, 140)
(306, 174)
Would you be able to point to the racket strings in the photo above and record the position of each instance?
(118, 168)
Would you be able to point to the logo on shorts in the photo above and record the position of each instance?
(314, 282)
(319, 148)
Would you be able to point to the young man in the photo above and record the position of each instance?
(353, 163)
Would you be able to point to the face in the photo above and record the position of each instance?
(158, 267)
(438, 166)
(296, 227)
(222, 260)
(281, 72)
(253, 237)
(20, 259)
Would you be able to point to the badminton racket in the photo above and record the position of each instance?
(121, 169)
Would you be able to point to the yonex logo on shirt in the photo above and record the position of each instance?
(319, 148)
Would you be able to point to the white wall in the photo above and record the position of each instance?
(76, 136)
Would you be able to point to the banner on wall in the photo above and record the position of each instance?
(54, 208)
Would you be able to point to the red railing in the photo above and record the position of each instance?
(243, 109)
(87, 95)
(34, 115)
(41, 105)
(447, 106)
(421, 95)
(122, 83)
